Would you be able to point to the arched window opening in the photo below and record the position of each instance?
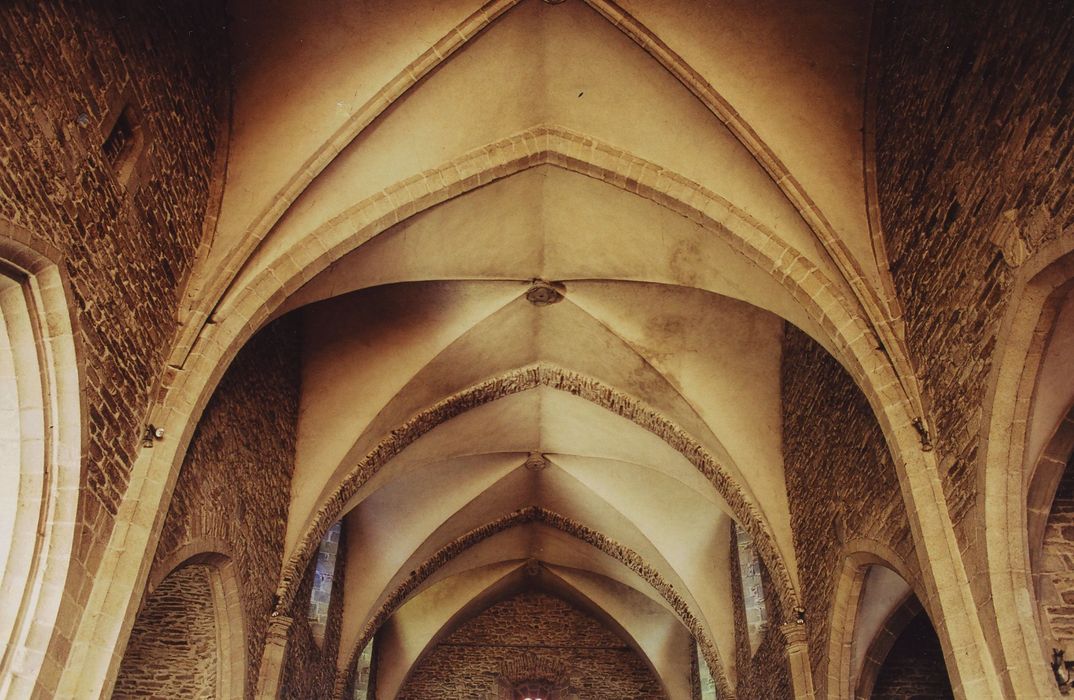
(40, 446)
(324, 574)
(707, 682)
(363, 672)
(749, 568)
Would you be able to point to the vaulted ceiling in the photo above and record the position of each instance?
(544, 254)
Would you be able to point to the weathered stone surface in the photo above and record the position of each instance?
(974, 140)
(173, 650)
(246, 436)
(840, 478)
(1056, 575)
(975, 124)
(127, 243)
(914, 668)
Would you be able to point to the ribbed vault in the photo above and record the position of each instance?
(679, 188)
(409, 244)
(566, 540)
(698, 334)
(433, 614)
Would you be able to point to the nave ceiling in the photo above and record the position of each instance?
(408, 184)
(569, 234)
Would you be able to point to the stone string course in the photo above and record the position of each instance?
(841, 481)
(974, 137)
(515, 382)
(172, 651)
(541, 631)
(533, 514)
(246, 436)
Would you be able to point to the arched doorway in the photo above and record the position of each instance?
(188, 639)
(881, 642)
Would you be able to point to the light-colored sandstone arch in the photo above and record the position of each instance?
(861, 555)
(212, 286)
(522, 380)
(482, 589)
(849, 336)
(576, 530)
(40, 448)
(222, 611)
(1004, 486)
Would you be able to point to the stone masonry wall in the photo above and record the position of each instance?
(840, 478)
(68, 68)
(1056, 576)
(974, 131)
(310, 667)
(246, 437)
(914, 668)
(763, 673)
(173, 650)
(468, 662)
(695, 676)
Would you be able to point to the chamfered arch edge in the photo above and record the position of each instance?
(1002, 493)
(46, 310)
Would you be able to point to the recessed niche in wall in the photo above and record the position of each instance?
(124, 144)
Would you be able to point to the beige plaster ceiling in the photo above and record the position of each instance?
(432, 614)
(681, 172)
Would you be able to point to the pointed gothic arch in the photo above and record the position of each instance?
(190, 633)
(533, 514)
(40, 451)
(1007, 494)
(839, 677)
(540, 375)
